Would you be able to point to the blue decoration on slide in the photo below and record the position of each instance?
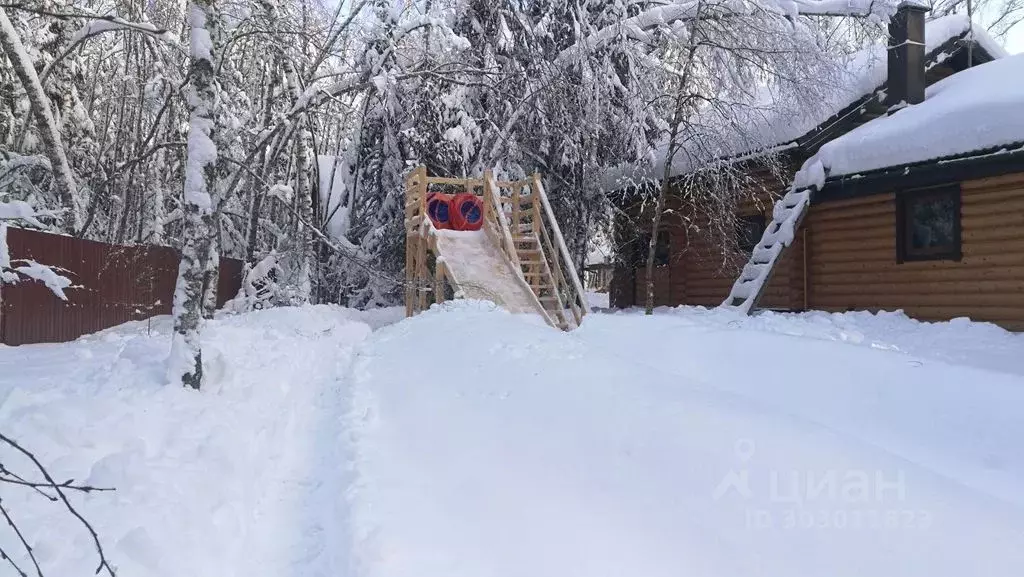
(470, 212)
(437, 209)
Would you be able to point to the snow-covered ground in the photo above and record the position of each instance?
(243, 478)
(690, 443)
(469, 441)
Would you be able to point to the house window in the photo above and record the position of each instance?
(928, 224)
(749, 230)
(661, 249)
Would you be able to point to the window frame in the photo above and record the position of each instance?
(762, 223)
(904, 199)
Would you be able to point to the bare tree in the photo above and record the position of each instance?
(726, 71)
(998, 17)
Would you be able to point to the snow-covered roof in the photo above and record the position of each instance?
(867, 70)
(979, 109)
(776, 125)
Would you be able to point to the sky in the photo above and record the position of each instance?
(1015, 40)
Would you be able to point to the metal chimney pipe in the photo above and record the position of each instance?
(906, 82)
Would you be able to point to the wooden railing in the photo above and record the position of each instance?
(496, 222)
(420, 277)
(567, 286)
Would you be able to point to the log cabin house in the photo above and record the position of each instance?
(919, 207)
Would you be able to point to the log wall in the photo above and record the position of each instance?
(848, 250)
(700, 272)
(852, 258)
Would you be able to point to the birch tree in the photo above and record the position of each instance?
(186, 360)
(63, 180)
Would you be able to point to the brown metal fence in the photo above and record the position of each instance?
(113, 284)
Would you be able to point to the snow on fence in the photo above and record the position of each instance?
(112, 284)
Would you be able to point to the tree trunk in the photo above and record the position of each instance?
(678, 113)
(304, 158)
(652, 246)
(303, 189)
(211, 271)
(63, 180)
(258, 189)
(186, 360)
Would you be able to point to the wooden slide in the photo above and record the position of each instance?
(518, 259)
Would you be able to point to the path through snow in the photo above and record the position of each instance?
(246, 478)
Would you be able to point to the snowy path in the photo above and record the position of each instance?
(246, 478)
(610, 451)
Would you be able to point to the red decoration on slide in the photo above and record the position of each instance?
(439, 209)
(467, 212)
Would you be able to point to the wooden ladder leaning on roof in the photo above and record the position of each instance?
(787, 215)
(518, 223)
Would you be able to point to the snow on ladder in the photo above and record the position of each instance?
(787, 215)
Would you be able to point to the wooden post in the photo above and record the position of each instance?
(410, 250)
(422, 189)
(537, 224)
(439, 274)
(807, 284)
(421, 273)
(413, 205)
(516, 210)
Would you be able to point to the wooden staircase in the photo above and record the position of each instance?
(538, 258)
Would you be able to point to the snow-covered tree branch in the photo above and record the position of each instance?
(335, 103)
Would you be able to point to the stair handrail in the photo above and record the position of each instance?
(508, 246)
(549, 215)
(494, 203)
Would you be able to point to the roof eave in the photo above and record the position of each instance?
(996, 161)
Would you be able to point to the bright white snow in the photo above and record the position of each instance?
(246, 478)
(481, 271)
(29, 268)
(977, 109)
(684, 444)
(334, 191)
(773, 123)
(21, 210)
(470, 441)
(46, 275)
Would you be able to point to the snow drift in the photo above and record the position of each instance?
(670, 446)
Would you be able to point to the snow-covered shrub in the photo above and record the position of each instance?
(259, 288)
